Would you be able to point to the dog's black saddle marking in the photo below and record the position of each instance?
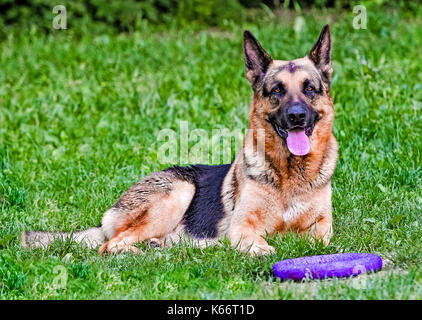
(206, 208)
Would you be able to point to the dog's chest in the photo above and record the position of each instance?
(293, 211)
(284, 214)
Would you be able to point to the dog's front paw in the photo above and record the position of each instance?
(259, 250)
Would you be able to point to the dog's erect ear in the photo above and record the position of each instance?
(256, 59)
(321, 54)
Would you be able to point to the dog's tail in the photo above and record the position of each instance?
(92, 237)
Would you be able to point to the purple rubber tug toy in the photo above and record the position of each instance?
(327, 266)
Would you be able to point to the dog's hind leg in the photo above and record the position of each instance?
(155, 218)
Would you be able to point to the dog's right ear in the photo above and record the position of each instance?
(256, 59)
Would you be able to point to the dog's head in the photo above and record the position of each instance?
(291, 98)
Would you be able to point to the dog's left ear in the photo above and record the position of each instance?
(256, 59)
(320, 54)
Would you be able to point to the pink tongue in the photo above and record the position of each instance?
(298, 142)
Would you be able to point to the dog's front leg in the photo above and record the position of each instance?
(322, 229)
(247, 238)
(249, 220)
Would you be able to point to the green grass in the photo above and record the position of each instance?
(79, 117)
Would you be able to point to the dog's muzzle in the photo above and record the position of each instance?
(295, 125)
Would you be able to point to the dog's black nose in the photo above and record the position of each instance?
(296, 114)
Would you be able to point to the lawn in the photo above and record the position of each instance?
(79, 119)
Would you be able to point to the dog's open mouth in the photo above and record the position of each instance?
(297, 139)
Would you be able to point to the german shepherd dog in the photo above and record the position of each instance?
(245, 200)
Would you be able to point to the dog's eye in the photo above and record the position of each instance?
(310, 89)
(278, 90)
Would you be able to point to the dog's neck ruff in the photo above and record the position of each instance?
(276, 167)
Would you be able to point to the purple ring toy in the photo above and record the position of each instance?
(327, 266)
